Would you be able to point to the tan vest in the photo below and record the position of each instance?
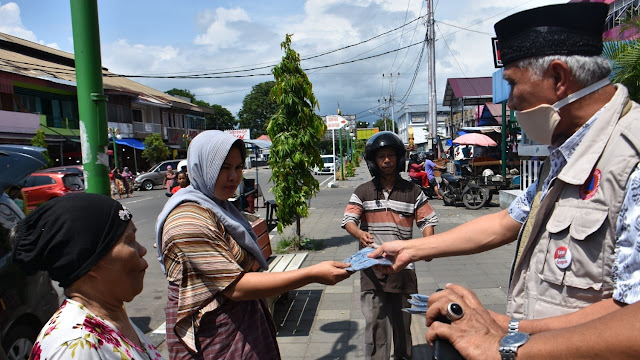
(583, 221)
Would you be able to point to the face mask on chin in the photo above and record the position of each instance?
(540, 122)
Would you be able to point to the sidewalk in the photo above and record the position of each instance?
(325, 322)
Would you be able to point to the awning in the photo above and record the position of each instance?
(134, 143)
(482, 129)
(263, 144)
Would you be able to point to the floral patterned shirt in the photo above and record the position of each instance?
(73, 332)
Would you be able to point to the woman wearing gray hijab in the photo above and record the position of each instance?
(216, 307)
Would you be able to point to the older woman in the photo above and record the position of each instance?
(87, 242)
(216, 307)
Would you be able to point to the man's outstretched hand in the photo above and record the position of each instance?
(400, 252)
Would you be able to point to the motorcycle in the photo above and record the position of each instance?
(428, 191)
(463, 188)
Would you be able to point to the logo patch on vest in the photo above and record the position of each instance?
(562, 257)
(590, 187)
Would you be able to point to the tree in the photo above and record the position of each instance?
(221, 119)
(380, 125)
(625, 57)
(39, 141)
(257, 108)
(362, 124)
(155, 149)
(295, 131)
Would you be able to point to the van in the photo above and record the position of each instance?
(329, 166)
(155, 175)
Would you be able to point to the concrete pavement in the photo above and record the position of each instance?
(325, 322)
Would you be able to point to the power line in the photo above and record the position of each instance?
(456, 60)
(463, 28)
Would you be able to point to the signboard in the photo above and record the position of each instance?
(335, 122)
(497, 60)
(240, 133)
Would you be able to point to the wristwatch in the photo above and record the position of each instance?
(514, 324)
(510, 343)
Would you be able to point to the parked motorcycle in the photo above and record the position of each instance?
(463, 188)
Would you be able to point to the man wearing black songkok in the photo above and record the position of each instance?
(578, 253)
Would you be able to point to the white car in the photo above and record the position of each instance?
(329, 167)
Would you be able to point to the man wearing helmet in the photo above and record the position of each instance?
(380, 210)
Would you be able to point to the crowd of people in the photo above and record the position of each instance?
(573, 290)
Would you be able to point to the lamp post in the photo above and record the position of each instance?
(187, 140)
(114, 133)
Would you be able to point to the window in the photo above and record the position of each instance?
(418, 118)
(137, 115)
(61, 110)
(39, 181)
(8, 218)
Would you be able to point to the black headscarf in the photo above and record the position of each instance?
(68, 235)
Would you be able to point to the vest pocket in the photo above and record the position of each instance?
(580, 230)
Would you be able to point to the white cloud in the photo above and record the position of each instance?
(223, 29)
(124, 58)
(11, 23)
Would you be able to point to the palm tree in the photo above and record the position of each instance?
(625, 57)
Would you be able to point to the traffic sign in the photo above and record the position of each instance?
(335, 122)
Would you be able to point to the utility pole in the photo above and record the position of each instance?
(392, 101)
(384, 111)
(92, 102)
(431, 44)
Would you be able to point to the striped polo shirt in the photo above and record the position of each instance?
(389, 215)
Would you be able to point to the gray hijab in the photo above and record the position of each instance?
(206, 154)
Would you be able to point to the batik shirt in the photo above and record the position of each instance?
(626, 269)
(73, 332)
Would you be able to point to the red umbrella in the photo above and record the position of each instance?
(474, 139)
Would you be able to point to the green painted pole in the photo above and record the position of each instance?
(341, 161)
(115, 151)
(504, 140)
(91, 99)
(348, 147)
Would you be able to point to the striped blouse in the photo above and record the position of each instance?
(203, 260)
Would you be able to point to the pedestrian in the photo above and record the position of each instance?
(119, 181)
(183, 182)
(128, 179)
(169, 178)
(216, 307)
(86, 242)
(381, 210)
(578, 248)
(112, 182)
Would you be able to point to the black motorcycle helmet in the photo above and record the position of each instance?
(380, 140)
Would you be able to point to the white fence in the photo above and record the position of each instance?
(528, 172)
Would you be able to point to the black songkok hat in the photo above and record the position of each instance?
(68, 235)
(565, 29)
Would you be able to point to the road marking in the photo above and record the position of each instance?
(135, 201)
(329, 178)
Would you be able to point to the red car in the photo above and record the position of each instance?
(43, 186)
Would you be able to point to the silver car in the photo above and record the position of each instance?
(155, 175)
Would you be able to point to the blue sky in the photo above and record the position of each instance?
(166, 37)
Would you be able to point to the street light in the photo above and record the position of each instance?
(116, 132)
(187, 140)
